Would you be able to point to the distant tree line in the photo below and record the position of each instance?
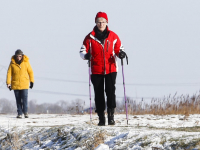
(168, 105)
(77, 106)
(61, 107)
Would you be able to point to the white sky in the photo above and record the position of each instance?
(160, 37)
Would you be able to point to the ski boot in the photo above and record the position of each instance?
(101, 119)
(110, 112)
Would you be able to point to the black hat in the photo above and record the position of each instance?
(18, 52)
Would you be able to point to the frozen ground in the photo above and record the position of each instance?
(74, 132)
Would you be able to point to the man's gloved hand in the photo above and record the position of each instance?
(31, 85)
(87, 56)
(122, 54)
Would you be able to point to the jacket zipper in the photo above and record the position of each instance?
(20, 73)
(104, 57)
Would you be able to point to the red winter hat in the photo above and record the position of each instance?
(101, 14)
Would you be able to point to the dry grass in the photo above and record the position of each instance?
(96, 140)
(12, 141)
(99, 138)
(184, 105)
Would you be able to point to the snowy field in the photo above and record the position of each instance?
(75, 132)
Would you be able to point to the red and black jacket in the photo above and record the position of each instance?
(103, 56)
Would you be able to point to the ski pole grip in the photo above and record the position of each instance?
(88, 63)
(127, 59)
(122, 62)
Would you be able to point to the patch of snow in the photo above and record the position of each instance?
(102, 147)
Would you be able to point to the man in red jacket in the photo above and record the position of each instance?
(101, 46)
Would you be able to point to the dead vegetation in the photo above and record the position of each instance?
(12, 141)
(184, 105)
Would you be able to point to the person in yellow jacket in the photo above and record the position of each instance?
(19, 77)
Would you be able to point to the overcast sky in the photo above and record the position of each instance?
(161, 38)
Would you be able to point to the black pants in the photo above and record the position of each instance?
(98, 83)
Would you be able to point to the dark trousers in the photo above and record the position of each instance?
(21, 101)
(98, 83)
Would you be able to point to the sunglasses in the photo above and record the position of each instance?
(101, 22)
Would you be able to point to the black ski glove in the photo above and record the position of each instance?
(31, 85)
(87, 56)
(122, 54)
(10, 88)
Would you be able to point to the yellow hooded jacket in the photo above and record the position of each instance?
(20, 76)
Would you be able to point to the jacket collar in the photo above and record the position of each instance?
(92, 34)
(25, 59)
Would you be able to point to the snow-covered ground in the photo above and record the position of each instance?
(75, 132)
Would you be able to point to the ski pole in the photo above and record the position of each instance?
(124, 88)
(90, 90)
(89, 66)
